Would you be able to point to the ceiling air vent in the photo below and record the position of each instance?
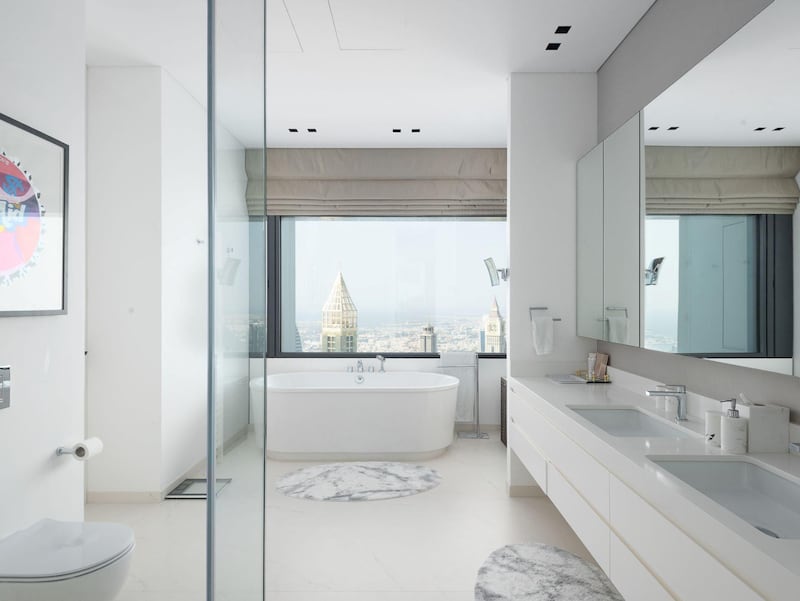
(553, 46)
(563, 29)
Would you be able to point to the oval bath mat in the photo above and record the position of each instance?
(535, 572)
(358, 481)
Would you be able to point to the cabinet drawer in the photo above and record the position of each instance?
(632, 579)
(583, 472)
(589, 527)
(528, 454)
(692, 572)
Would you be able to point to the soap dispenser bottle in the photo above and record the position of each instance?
(733, 430)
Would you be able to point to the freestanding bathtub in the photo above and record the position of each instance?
(347, 416)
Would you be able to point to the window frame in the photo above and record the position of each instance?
(274, 317)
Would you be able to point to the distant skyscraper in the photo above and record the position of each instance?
(493, 336)
(427, 340)
(339, 320)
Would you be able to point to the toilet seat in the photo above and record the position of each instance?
(51, 550)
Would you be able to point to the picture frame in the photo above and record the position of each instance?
(34, 190)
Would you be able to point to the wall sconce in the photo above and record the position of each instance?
(651, 273)
(495, 274)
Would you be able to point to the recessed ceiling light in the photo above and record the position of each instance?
(673, 128)
(653, 128)
(561, 29)
(779, 129)
(553, 46)
(759, 129)
(293, 130)
(312, 130)
(396, 131)
(415, 131)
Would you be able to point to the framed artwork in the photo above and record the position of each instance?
(34, 170)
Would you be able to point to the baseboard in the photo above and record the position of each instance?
(123, 497)
(528, 490)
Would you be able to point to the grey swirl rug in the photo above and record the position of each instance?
(535, 572)
(358, 481)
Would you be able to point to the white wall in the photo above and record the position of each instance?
(552, 123)
(148, 281)
(183, 272)
(44, 87)
(491, 370)
(124, 281)
(233, 301)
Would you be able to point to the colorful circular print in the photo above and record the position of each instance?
(20, 219)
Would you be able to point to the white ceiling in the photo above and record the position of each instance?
(356, 69)
(752, 80)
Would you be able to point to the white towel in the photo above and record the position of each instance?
(462, 366)
(456, 359)
(543, 334)
(618, 329)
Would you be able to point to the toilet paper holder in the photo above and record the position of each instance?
(80, 451)
(85, 449)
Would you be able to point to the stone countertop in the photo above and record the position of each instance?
(771, 566)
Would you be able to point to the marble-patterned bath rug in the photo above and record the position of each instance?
(358, 481)
(535, 572)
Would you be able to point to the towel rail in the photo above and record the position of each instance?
(618, 309)
(532, 309)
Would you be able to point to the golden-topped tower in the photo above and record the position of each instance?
(339, 320)
(494, 331)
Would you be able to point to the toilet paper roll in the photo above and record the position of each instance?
(713, 427)
(86, 449)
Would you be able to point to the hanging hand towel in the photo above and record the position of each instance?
(543, 335)
(618, 329)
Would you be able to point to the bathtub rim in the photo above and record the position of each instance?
(452, 382)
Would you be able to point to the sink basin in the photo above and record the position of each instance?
(764, 499)
(630, 422)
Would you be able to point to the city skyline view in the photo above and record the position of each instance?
(417, 272)
(396, 267)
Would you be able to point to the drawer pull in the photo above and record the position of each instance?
(513, 421)
(512, 389)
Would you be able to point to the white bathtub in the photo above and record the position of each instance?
(331, 415)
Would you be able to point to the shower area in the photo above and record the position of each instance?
(175, 240)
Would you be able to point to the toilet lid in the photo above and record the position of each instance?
(51, 548)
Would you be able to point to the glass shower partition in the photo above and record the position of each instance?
(237, 300)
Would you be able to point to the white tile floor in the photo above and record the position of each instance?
(426, 547)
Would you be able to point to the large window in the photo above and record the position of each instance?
(387, 285)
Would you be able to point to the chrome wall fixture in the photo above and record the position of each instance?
(495, 273)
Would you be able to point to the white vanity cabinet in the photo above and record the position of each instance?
(647, 556)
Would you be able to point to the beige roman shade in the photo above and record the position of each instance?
(378, 182)
(683, 180)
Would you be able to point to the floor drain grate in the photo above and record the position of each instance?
(195, 488)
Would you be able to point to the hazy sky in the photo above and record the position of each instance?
(407, 268)
(661, 301)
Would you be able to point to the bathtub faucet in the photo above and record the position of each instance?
(360, 366)
(382, 359)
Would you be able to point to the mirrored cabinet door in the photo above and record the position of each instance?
(590, 244)
(621, 226)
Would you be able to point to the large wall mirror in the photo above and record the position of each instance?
(717, 211)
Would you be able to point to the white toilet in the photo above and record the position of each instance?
(65, 561)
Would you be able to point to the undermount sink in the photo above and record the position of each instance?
(630, 422)
(764, 499)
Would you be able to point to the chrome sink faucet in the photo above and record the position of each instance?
(382, 359)
(677, 392)
(360, 366)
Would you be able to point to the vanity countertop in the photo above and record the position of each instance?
(770, 564)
